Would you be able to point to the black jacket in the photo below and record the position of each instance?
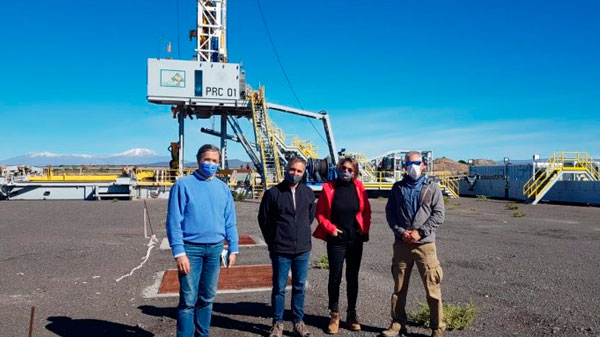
(287, 231)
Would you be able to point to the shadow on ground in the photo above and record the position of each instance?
(68, 327)
(222, 312)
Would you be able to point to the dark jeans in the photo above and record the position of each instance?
(351, 251)
(281, 268)
(198, 289)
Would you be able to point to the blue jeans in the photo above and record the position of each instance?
(281, 267)
(198, 289)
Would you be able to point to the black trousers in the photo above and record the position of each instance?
(337, 252)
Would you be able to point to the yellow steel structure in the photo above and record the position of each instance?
(306, 147)
(50, 176)
(379, 180)
(368, 169)
(265, 138)
(150, 176)
(448, 183)
(560, 162)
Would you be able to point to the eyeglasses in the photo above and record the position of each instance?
(347, 169)
(408, 163)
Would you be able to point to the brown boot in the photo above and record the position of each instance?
(352, 321)
(276, 330)
(437, 333)
(334, 323)
(395, 329)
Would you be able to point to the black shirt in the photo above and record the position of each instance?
(286, 228)
(343, 211)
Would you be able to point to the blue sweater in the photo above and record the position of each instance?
(200, 211)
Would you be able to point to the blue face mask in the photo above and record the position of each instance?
(208, 169)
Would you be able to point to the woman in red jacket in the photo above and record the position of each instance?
(344, 216)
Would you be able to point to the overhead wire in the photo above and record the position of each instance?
(264, 20)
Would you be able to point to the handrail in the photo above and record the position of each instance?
(563, 161)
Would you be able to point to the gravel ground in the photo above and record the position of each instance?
(530, 276)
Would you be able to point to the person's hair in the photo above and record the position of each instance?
(207, 148)
(413, 153)
(352, 162)
(295, 159)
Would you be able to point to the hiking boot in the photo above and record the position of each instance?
(395, 329)
(276, 330)
(437, 333)
(334, 323)
(352, 321)
(300, 330)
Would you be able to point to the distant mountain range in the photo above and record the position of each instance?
(130, 157)
(138, 156)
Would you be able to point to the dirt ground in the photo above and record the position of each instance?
(535, 275)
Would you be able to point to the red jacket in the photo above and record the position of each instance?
(323, 215)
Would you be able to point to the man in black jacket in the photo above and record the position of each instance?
(286, 212)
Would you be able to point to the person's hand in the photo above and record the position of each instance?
(336, 232)
(406, 236)
(415, 236)
(232, 260)
(183, 264)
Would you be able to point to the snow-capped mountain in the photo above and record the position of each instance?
(137, 156)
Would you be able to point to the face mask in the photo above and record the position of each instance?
(208, 169)
(292, 179)
(414, 171)
(345, 176)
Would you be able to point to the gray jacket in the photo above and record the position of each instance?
(428, 217)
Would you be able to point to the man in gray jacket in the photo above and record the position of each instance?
(414, 211)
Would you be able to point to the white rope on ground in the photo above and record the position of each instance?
(153, 241)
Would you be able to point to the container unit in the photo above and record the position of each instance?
(584, 192)
(487, 172)
(494, 181)
(497, 181)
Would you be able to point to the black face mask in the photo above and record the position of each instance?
(292, 179)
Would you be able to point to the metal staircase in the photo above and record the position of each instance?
(448, 184)
(270, 168)
(367, 171)
(578, 163)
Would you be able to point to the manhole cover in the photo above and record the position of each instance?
(234, 279)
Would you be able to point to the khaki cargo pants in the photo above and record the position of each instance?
(424, 255)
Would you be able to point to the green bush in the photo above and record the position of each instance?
(457, 317)
(482, 198)
(518, 214)
(511, 206)
(323, 262)
(238, 196)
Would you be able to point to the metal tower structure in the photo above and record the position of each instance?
(211, 86)
(211, 36)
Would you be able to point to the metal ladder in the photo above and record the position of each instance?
(270, 168)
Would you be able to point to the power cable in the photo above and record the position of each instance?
(264, 20)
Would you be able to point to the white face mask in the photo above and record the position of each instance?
(414, 171)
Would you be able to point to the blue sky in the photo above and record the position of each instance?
(466, 79)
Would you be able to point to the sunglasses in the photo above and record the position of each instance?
(347, 169)
(408, 163)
